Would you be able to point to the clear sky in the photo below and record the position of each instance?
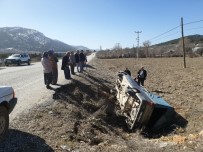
(95, 23)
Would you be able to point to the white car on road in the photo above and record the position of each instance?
(18, 59)
(7, 103)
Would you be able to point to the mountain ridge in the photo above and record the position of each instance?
(18, 39)
(196, 38)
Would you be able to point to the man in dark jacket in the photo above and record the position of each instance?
(77, 60)
(142, 75)
(65, 65)
(82, 60)
(127, 71)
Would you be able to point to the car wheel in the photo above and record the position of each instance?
(4, 122)
(28, 62)
(18, 63)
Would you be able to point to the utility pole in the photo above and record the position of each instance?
(138, 32)
(118, 45)
(133, 49)
(118, 49)
(183, 42)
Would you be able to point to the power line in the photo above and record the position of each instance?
(194, 28)
(166, 36)
(165, 32)
(193, 22)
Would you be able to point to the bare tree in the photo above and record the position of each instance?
(188, 46)
(118, 49)
(146, 45)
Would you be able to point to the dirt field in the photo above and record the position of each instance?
(76, 118)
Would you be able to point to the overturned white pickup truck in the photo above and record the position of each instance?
(141, 108)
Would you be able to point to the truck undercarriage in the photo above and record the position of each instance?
(141, 108)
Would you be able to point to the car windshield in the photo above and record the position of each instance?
(16, 55)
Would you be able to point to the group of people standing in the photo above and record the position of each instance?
(69, 61)
(72, 59)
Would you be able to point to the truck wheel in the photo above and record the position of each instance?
(4, 122)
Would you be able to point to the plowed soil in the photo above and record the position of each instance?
(80, 116)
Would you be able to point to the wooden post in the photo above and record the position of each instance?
(183, 43)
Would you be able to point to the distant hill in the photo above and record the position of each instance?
(23, 39)
(81, 47)
(193, 39)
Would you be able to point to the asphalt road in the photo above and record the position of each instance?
(28, 83)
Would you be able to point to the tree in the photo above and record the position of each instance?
(146, 45)
(188, 46)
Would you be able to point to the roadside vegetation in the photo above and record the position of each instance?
(169, 49)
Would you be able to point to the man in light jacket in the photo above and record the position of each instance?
(47, 68)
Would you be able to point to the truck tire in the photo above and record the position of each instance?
(4, 122)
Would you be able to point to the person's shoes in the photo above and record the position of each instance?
(48, 87)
